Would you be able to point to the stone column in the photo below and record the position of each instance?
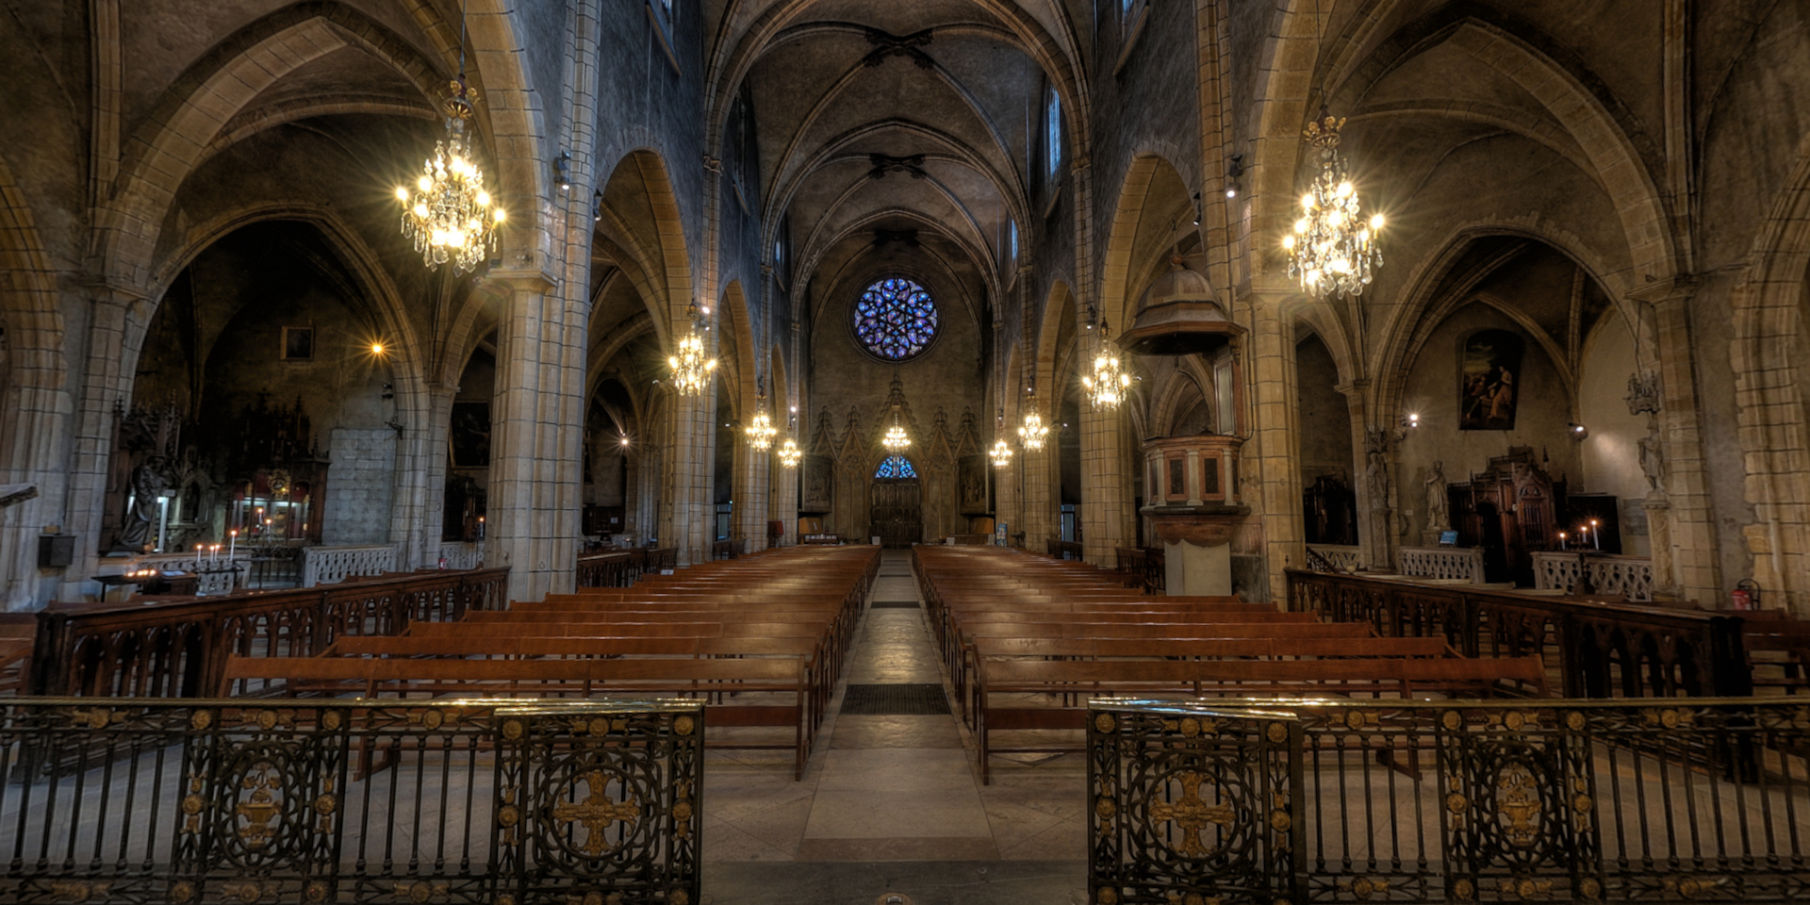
(417, 518)
(1105, 508)
(117, 318)
(1274, 493)
(751, 469)
(1036, 468)
(1692, 528)
(688, 513)
(1376, 531)
(536, 435)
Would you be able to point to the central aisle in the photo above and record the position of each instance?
(891, 801)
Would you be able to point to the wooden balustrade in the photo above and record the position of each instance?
(1599, 649)
(624, 567)
(177, 647)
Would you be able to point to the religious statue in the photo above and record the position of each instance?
(1652, 459)
(141, 507)
(1438, 507)
(1376, 469)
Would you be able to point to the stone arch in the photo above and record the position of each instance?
(1407, 324)
(1768, 312)
(199, 106)
(1179, 390)
(1135, 194)
(738, 326)
(665, 280)
(1057, 311)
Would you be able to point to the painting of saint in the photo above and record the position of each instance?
(1489, 374)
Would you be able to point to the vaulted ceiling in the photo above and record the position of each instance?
(893, 132)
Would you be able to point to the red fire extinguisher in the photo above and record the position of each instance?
(1746, 595)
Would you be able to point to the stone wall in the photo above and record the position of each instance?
(360, 486)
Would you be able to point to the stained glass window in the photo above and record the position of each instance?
(895, 319)
(895, 467)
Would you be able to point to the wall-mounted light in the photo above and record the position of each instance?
(1234, 170)
(377, 348)
(1411, 421)
(1196, 208)
(596, 206)
(1578, 431)
(562, 170)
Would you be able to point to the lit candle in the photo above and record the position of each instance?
(1561, 540)
(233, 545)
(1596, 535)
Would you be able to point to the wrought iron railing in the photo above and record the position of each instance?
(348, 802)
(1442, 802)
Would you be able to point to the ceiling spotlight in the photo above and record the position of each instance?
(562, 170)
(1578, 431)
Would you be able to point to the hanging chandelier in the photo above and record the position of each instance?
(790, 454)
(1032, 432)
(691, 369)
(761, 431)
(1333, 250)
(1001, 453)
(1109, 383)
(896, 440)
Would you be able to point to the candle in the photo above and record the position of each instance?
(1561, 540)
(234, 545)
(1596, 535)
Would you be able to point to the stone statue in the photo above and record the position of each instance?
(141, 508)
(1652, 459)
(1438, 508)
(1376, 469)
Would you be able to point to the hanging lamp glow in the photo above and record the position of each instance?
(896, 440)
(691, 368)
(1332, 249)
(1109, 383)
(760, 429)
(450, 216)
(789, 453)
(1032, 432)
(1001, 454)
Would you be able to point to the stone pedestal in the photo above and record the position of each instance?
(1194, 571)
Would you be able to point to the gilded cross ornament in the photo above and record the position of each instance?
(597, 813)
(1193, 815)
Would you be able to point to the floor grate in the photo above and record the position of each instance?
(894, 700)
(894, 605)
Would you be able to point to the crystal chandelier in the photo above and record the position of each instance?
(1109, 383)
(896, 440)
(1332, 251)
(761, 431)
(1032, 432)
(449, 215)
(1001, 453)
(790, 454)
(691, 369)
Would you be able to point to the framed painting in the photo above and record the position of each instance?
(298, 344)
(816, 485)
(1489, 380)
(971, 485)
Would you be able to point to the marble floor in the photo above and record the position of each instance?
(893, 805)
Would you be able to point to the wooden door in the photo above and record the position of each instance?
(896, 512)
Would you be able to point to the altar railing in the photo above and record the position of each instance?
(1441, 563)
(177, 647)
(1337, 557)
(1592, 648)
(326, 565)
(1627, 577)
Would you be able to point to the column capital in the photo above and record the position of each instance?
(534, 280)
(1660, 292)
(1353, 389)
(713, 165)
